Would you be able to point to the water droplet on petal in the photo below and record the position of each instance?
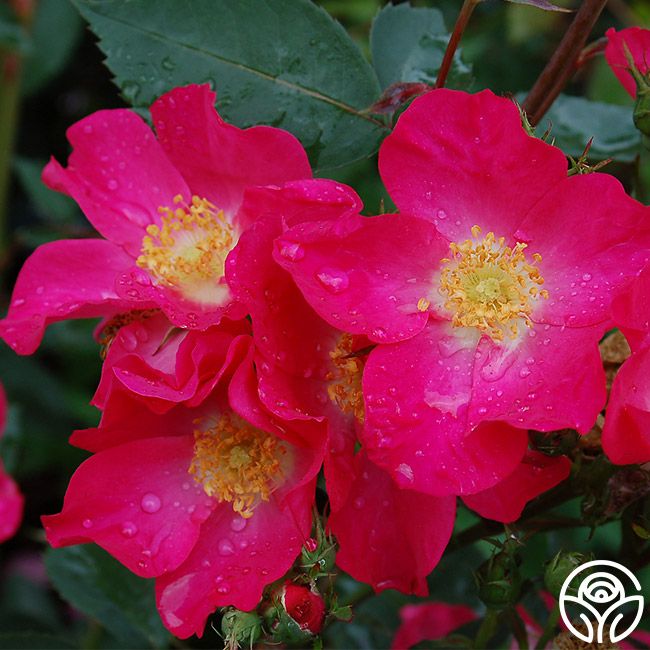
(359, 502)
(524, 372)
(291, 251)
(87, 523)
(586, 277)
(129, 340)
(129, 529)
(225, 547)
(333, 280)
(150, 503)
(238, 524)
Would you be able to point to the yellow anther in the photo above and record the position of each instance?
(345, 388)
(423, 304)
(491, 286)
(188, 250)
(238, 463)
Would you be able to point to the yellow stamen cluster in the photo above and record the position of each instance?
(491, 286)
(345, 388)
(189, 248)
(113, 326)
(237, 463)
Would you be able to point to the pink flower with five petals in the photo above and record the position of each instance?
(167, 207)
(488, 305)
(212, 497)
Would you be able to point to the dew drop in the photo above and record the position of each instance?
(238, 524)
(129, 529)
(359, 503)
(524, 372)
(150, 503)
(333, 280)
(129, 340)
(87, 523)
(586, 277)
(291, 251)
(225, 547)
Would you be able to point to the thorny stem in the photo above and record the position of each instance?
(454, 40)
(562, 64)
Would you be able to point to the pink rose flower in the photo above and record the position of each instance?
(212, 497)
(487, 295)
(167, 207)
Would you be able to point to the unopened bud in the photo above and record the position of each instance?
(559, 569)
(499, 581)
(296, 614)
(241, 629)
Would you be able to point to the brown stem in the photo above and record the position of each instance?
(454, 40)
(562, 64)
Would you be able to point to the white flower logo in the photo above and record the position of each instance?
(598, 591)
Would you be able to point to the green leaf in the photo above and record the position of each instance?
(55, 32)
(574, 120)
(408, 44)
(279, 62)
(97, 585)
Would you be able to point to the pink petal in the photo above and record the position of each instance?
(428, 622)
(118, 174)
(637, 41)
(218, 160)
(389, 537)
(630, 312)
(552, 380)
(417, 394)
(295, 202)
(153, 359)
(233, 560)
(348, 275)
(585, 260)
(461, 160)
(286, 330)
(138, 502)
(60, 280)
(626, 434)
(185, 313)
(505, 501)
(11, 506)
(128, 417)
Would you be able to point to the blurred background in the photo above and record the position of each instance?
(53, 76)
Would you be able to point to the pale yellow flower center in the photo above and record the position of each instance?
(490, 286)
(237, 463)
(188, 250)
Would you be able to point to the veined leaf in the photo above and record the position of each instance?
(408, 44)
(286, 63)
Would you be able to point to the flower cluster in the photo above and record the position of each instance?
(257, 328)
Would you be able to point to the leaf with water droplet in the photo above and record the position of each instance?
(310, 76)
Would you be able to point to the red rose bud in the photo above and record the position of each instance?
(304, 606)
